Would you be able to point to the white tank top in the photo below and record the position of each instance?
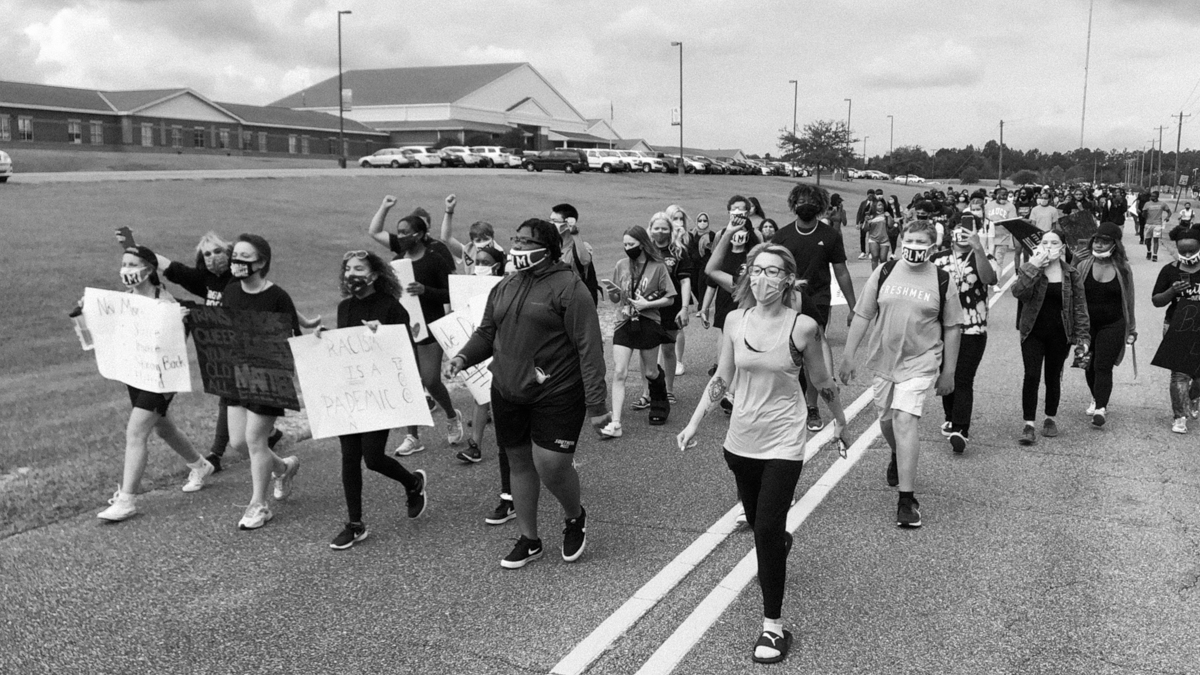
(769, 413)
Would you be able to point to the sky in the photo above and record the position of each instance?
(948, 71)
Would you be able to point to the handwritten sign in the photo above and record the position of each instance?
(138, 340)
(355, 381)
(244, 355)
(466, 287)
(452, 332)
(411, 303)
(1180, 347)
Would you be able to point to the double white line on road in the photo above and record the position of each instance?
(689, 633)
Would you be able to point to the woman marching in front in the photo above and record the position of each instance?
(541, 327)
(1177, 281)
(149, 412)
(1052, 315)
(673, 249)
(682, 239)
(641, 285)
(251, 423)
(371, 293)
(763, 349)
(1108, 288)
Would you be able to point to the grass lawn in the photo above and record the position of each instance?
(39, 160)
(62, 429)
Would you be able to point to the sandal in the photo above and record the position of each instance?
(774, 642)
(659, 411)
(641, 403)
(671, 397)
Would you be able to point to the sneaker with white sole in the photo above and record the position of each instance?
(197, 475)
(679, 369)
(122, 506)
(526, 551)
(575, 536)
(947, 427)
(611, 430)
(256, 516)
(1194, 412)
(283, 482)
(472, 455)
(416, 499)
(454, 428)
(503, 513)
(1180, 425)
(1091, 409)
(410, 445)
(958, 442)
(1098, 417)
(349, 536)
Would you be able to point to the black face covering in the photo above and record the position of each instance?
(634, 252)
(807, 212)
(406, 242)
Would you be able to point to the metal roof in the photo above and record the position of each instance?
(401, 86)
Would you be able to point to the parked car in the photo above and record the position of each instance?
(571, 160)
(423, 155)
(876, 175)
(633, 159)
(909, 178)
(691, 164)
(392, 157)
(650, 162)
(493, 155)
(606, 161)
(710, 166)
(515, 157)
(6, 166)
(459, 155)
(669, 163)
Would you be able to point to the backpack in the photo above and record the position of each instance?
(943, 283)
(588, 276)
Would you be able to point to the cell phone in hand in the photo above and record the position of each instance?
(609, 285)
(125, 237)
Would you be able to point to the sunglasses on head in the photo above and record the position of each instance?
(361, 255)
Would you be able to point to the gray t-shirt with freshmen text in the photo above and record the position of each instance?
(905, 338)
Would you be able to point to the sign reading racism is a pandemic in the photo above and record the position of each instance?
(139, 341)
(244, 355)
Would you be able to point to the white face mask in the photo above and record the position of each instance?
(133, 276)
(915, 254)
(1053, 252)
(483, 270)
(1102, 254)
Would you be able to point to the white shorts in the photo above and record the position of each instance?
(907, 396)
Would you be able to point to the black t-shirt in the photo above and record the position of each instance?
(433, 270)
(680, 267)
(199, 281)
(271, 299)
(1167, 276)
(381, 307)
(814, 252)
(734, 264)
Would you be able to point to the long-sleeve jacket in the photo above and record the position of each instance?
(1030, 291)
(542, 329)
(1125, 281)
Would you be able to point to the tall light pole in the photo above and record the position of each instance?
(341, 97)
(682, 166)
(865, 151)
(795, 101)
(849, 106)
(891, 132)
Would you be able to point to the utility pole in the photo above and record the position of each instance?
(1086, 62)
(1160, 153)
(849, 107)
(1000, 177)
(682, 159)
(891, 133)
(1178, 139)
(795, 102)
(341, 96)
(865, 151)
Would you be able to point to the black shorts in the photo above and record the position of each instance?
(264, 410)
(644, 333)
(148, 400)
(824, 310)
(551, 424)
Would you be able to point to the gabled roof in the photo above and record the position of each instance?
(630, 143)
(575, 136)
(129, 101)
(286, 117)
(401, 86)
(46, 96)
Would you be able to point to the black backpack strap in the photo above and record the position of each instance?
(887, 268)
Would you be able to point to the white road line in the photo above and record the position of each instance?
(649, 595)
(675, 648)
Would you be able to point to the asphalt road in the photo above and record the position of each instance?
(1080, 554)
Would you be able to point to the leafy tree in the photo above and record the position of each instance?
(823, 144)
(969, 176)
(1024, 176)
(1058, 175)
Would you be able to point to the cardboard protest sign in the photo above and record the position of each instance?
(355, 380)
(1023, 231)
(465, 287)
(452, 332)
(137, 340)
(411, 303)
(1180, 347)
(1079, 226)
(244, 355)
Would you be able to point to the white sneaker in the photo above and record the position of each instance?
(256, 516)
(1091, 410)
(196, 478)
(1194, 413)
(1180, 426)
(283, 482)
(611, 430)
(123, 507)
(862, 256)
(679, 369)
(410, 445)
(454, 428)
(947, 427)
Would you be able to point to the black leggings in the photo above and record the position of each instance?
(766, 488)
(1053, 351)
(862, 240)
(959, 404)
(370, 447)
(221, 434)
(1107, 342)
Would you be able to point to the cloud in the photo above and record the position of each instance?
(922, 62)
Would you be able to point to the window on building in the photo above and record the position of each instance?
(147, 135)
(5, 128)
(304, 147)
(292, 144)
(74, 131)
(262, 141)
(97, 133)
(176, 137)
(25, 128)
(246, 136)
(223, 139)
(198, 137)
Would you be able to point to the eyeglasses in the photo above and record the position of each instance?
(523, 241)
(214, 252)
(361, 255)
(771, 272)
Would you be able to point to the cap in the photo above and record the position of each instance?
(1109, 230)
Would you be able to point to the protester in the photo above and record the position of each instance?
(1157, 214)
(1043, 216)
(973, 272)
(149, 413)
(684, 239)
(577, 254)
(432, 264)
(480, 235)
(836, 216)
(1108, 289)
(1177, 281)
(672, 246)
(998, 210)
(548, 373)
(879, 247)
(1114, 209)
(702, 238)
(1052, 315)
(913, 320)
(726, 263)
(489, 262)
(762, 353)
(1186, 216)
(251, 423)
(865, 209)
(371, 295)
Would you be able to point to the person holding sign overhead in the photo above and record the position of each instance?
(432, 264)
(371, 293)
(251, 423)
(1176, 282)
(138, 273)
(541, 327)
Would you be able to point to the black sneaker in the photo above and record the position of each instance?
(575, 537)
(349, 536)
(1028, 435)
(503, 513)
(471, 455)
(814, 420)
(958, 441)
(416, 497)
(1049, 429)
(215, 460)
(908, 513)
(893, 474)
(526, 551)
(274, 438)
